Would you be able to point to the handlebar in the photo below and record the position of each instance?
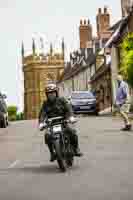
(54, 119)
(49, 121)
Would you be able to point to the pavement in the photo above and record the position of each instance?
(103, 173)
(108, 112)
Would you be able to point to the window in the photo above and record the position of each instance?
(82, 95)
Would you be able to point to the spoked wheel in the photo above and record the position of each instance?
(61, 162)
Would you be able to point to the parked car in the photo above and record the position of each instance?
(3, 112)
(84, 102)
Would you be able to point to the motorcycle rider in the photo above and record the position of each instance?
(56, 106)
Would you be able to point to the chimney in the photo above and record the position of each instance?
(103, 23)
(105, 10)
(85, 33)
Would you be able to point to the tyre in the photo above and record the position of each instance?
(60, 159)
(70, 157)
(7, 123)
(3, 123)
(69, 162)
(96, 113)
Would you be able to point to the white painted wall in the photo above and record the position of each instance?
(80, 83)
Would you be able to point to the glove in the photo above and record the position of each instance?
(42, 126)
(72, 119)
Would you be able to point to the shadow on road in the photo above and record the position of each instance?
(47, 169)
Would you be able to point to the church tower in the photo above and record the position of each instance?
(38, 71)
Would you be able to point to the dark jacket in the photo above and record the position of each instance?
(59, 108)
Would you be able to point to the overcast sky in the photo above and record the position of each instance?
(20, 20)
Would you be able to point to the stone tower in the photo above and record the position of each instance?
(38, 71)
(103, 24)
(85, 34)
(125, 6)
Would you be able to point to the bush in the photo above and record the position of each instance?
(126, 66)
(12, 118)
(12, 113)
(20, 116)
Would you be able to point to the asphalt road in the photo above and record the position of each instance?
(105, 172)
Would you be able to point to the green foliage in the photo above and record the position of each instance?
(12, 113)
(126, 66)
(20, 116)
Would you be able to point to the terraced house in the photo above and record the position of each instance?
(96, 66)
(86, 60)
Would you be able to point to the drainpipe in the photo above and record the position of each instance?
(114, 72)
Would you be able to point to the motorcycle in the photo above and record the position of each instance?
(61, 142)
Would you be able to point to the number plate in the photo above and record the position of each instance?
(84, 107)
(57, 128)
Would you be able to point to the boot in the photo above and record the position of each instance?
(52, 157)
(77, 152)
(75, 144)
(127, 128)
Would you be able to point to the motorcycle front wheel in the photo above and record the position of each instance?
(70, 157)
(60, 160)
(69, 162)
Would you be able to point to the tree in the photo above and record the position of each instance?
(126, 65)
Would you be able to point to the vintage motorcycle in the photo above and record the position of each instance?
(61, 142)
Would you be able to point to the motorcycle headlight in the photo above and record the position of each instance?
(57, 129)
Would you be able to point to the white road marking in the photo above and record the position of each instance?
(14, 163)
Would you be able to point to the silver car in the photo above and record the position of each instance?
(84, 102)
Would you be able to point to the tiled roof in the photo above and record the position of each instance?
(115, 26)
(119, 31)
(86, 58)
(79, 67)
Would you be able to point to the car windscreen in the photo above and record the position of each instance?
(83, 95)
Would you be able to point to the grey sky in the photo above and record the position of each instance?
(51, 19)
